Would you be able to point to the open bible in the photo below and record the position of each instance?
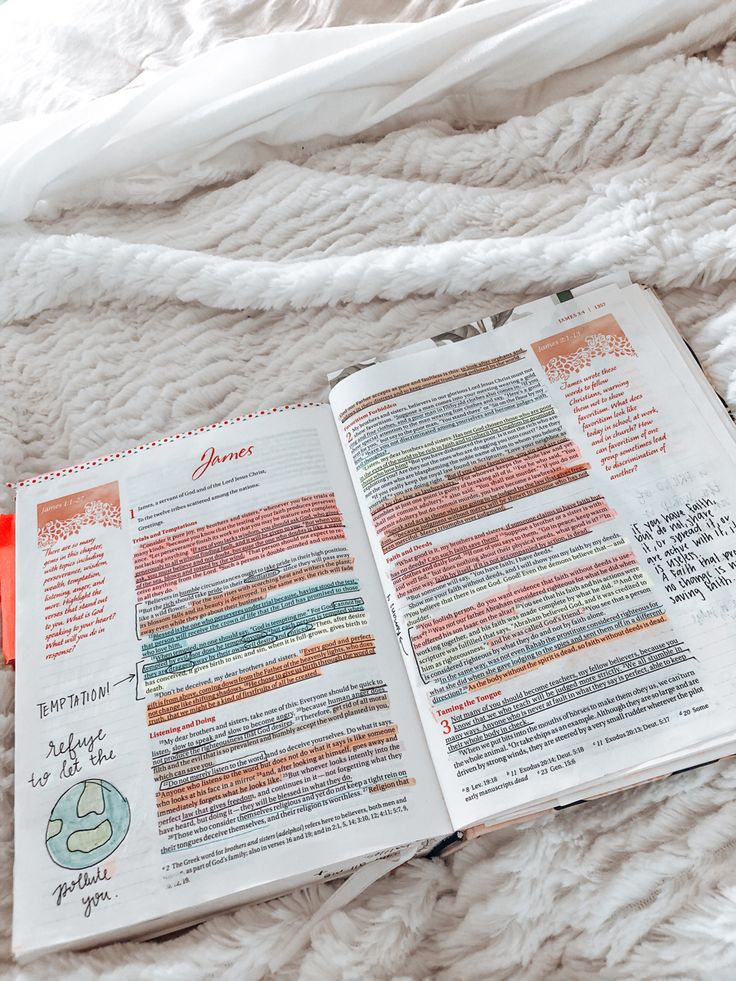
(493, 575)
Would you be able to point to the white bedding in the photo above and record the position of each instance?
(147, 300)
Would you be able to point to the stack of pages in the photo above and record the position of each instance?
(494, 575)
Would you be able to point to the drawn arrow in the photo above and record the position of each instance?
(130, 677)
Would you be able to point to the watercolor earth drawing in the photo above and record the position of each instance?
(87, 823)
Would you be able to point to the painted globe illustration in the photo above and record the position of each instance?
(87, 823)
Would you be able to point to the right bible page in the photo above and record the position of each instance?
(552, 509)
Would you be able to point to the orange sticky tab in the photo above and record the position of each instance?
(7, 585)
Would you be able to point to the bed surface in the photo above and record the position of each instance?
(154, 301)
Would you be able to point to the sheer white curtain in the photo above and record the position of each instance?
(256, 96)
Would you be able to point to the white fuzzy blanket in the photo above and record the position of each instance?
(122, 322)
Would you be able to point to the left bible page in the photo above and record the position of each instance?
(210, 701)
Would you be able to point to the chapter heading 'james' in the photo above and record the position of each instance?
(210, 458)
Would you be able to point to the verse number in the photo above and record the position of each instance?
(446, 727)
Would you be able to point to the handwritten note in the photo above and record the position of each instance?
(691, 548)
(75, 596)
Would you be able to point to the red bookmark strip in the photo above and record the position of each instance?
(7, 585)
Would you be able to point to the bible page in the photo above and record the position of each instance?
(210, 698)
(552, 506)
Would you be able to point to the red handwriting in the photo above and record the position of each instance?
(211, 459)
(617, 419)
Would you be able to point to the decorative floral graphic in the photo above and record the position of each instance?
(67, 516)
(573, 350)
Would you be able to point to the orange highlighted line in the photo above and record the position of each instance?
(378, 788)
(582, 645)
